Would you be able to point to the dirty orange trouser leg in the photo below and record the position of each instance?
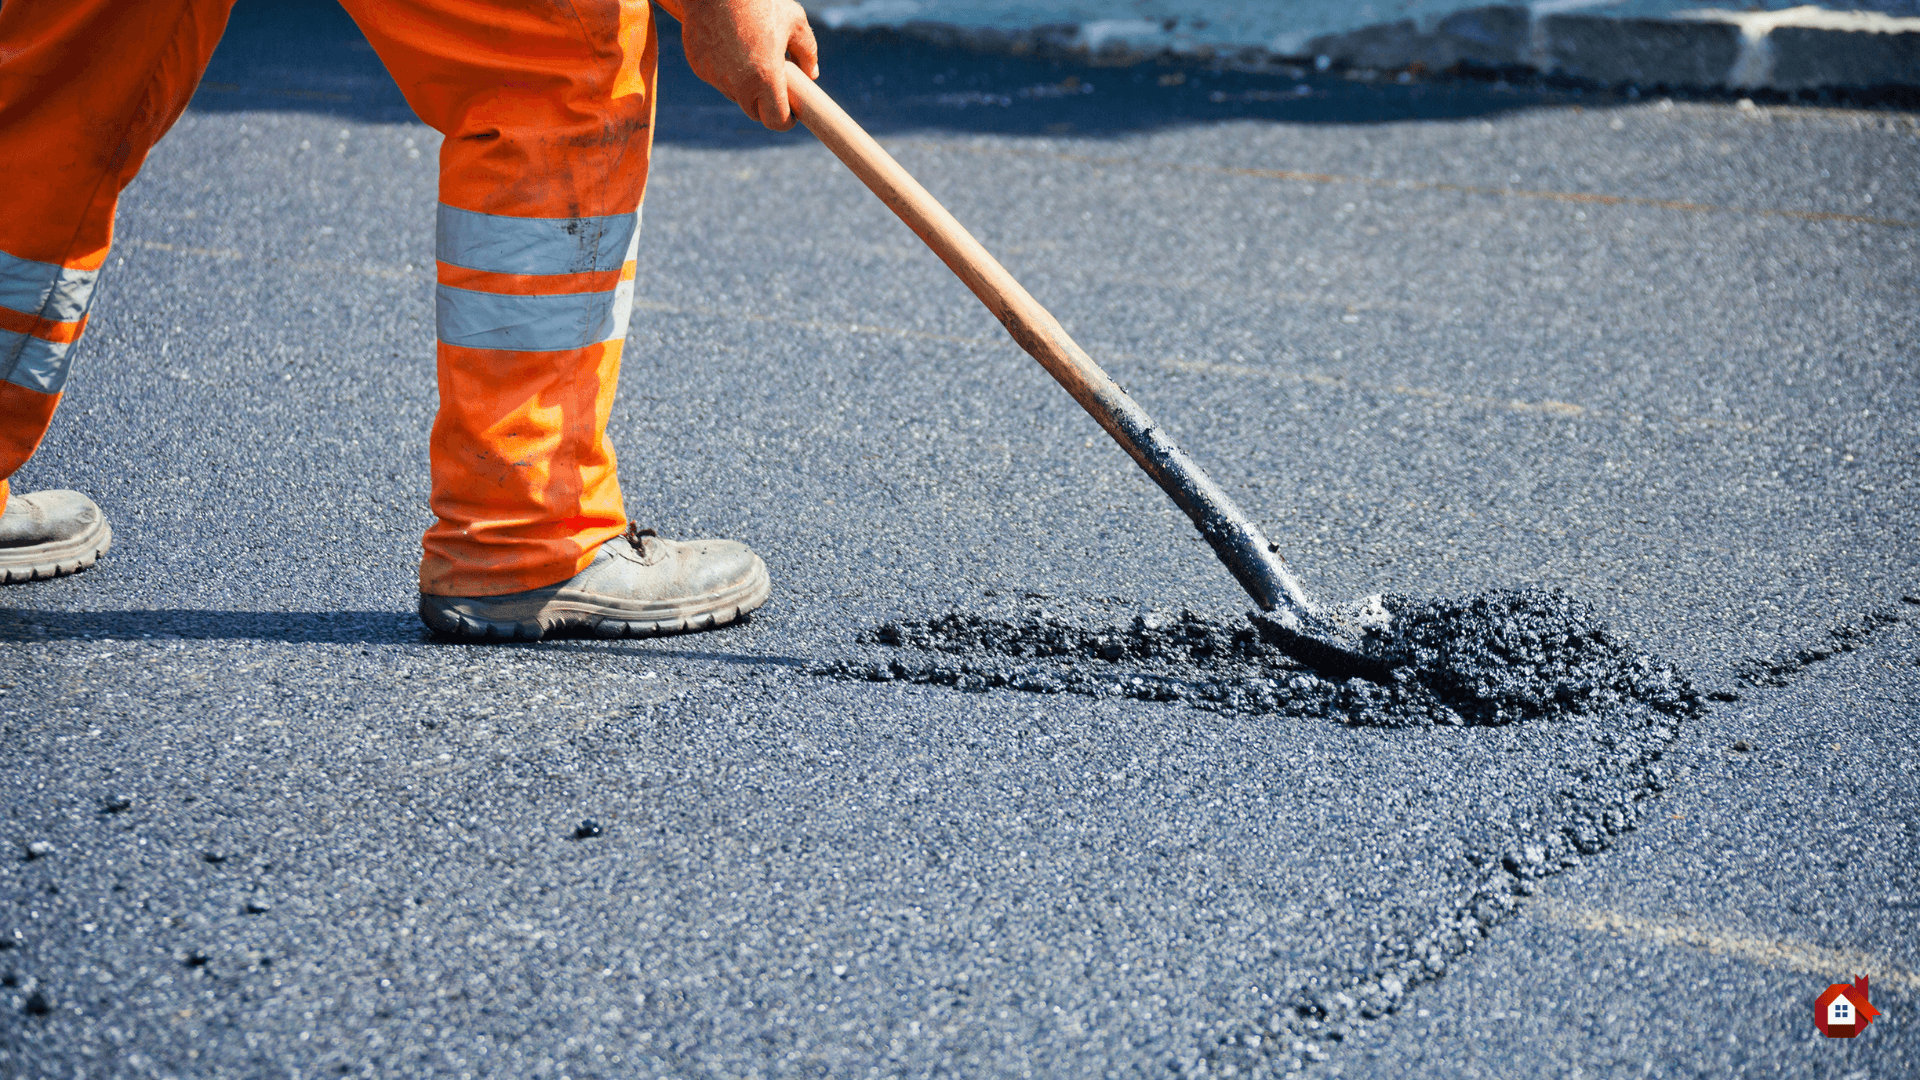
(86, 88)
(547, 111)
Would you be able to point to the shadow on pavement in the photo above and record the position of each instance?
(307, 56)
(317, 627)
(198, 624)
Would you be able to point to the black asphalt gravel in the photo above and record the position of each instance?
(1636, 375)
(1496, 658)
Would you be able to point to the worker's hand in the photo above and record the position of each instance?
(742, 48)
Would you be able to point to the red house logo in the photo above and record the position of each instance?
(1841, 1011)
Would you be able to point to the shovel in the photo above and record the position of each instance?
(1333, 643)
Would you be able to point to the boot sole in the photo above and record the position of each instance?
(57, 558)
(546, 612)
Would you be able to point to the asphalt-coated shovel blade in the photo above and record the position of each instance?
(1344, 643)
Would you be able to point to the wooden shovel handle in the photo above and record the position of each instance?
(1236, 540)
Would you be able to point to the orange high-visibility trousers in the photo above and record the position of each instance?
(547, 112)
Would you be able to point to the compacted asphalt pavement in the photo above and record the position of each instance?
(1000, 782)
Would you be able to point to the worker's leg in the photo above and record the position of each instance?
(547, 111)
(548, 116)
(86, 88)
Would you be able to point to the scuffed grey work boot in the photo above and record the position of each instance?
(637, 585)
(50, 534)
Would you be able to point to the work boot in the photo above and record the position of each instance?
(637, 585)
(50, 534)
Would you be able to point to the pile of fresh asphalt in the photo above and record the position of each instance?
(1494, 658)
(1545, 684)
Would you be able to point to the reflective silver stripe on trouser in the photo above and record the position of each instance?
(35, 363)
(486, 320)
(44, 290)
(500, 244)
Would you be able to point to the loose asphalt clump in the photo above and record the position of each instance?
(1491, 659)
(1504, 657)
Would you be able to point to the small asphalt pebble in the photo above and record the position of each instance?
(36, 1004)
(1742, 746)
(39, 849)
(586, 830)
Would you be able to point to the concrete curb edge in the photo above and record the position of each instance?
(1803, 48)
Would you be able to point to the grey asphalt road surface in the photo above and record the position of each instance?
(1439, 337)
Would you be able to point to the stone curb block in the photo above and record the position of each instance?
(1801, 48)
(1649, 52)
(1488, 36)
(1806, 57)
